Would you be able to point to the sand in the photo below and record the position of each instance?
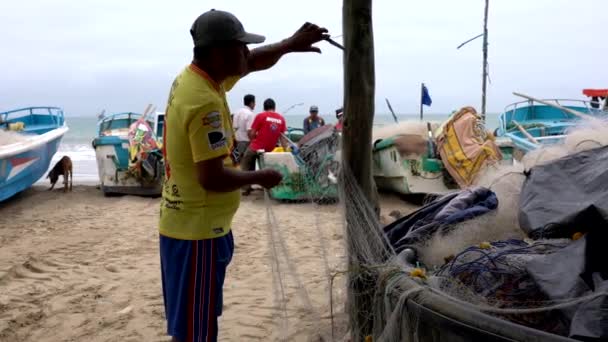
(82, 267)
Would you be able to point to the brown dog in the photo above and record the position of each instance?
(64, 168)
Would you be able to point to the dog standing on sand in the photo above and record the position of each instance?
(64, 168)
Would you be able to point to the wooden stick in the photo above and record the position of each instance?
(147, 111)
(555, 105)
(524, 132)
(391, 109)
(359, 94)
(485, 63)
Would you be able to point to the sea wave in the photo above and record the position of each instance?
(76, 152)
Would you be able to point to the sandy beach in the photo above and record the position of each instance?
(83, 267)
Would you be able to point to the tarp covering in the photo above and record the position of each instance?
(440, 214)
(466, 147)
(566, 196)
(575, 271)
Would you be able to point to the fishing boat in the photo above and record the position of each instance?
(417, 157)
(294, 134)
(129, 160)
(533, 123)
(31, 137)
(406, 163)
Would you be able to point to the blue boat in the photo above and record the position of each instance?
(30, 138)
(534, 123)
(122, 170)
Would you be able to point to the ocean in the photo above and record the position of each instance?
(77, 143)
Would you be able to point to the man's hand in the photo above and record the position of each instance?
(269, 178)
(305, 37)
(266, 56)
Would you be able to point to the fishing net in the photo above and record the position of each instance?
(496, 272)
(474, 274)
(310, 174)
(12, 137)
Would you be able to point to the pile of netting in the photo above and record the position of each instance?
(311, 172)
(478, 276)
(496, 273)
(12, 137)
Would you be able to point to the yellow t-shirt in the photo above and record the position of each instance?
(197, 128)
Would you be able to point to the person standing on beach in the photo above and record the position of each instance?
(313, 121)
(242, 124)
(201, 189)
(266, 130)
(340, 118)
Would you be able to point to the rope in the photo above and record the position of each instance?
(277, 276)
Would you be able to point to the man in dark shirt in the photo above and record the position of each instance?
(313, 121)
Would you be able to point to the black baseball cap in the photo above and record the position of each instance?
(214, 27)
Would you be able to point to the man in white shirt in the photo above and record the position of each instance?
(242, 124)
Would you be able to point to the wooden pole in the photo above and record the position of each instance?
(485, 62)
(524, 132)
(359, 95)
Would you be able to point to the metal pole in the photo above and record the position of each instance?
(421, 94)
(485, 62)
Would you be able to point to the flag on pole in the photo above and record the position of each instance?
(426, 98)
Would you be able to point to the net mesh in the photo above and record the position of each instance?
(477, 265)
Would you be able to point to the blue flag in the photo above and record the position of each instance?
(426, 98)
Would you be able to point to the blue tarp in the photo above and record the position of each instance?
(440, 214)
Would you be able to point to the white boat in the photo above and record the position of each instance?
(403, 160)
(122, 170)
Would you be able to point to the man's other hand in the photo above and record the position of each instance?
(305, 37)
(269, 178)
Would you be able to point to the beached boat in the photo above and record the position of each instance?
(128, 158)
(294, 134)
(407, 172)
(418, 157)
(533, 123)
(29, 137)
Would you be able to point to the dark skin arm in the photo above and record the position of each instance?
(252, 133)
(266, 56)
(213, 176)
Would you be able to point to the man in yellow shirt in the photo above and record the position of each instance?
(201, 189)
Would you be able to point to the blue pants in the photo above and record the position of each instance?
(193, 273)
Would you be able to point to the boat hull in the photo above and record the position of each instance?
(25, 163)
(416, 175)
(112, 156)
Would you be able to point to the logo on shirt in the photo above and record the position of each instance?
(274, 123)
(275, 120)
(216, 139)
(213, 119)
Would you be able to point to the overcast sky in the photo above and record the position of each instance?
(119, 55)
